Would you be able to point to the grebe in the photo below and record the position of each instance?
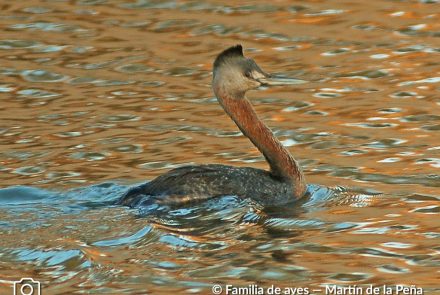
(233, 75)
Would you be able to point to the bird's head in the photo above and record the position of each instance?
(234, 74)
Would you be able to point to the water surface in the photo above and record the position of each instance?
(97, 96)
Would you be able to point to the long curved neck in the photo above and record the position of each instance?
(281, 162)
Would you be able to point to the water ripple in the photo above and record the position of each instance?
(42, 76)
(38, 93)
(47, 27)
(14, 44)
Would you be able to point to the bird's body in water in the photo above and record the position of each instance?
(233, 76)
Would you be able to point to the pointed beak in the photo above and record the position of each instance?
(270, 80)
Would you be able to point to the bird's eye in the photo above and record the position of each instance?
(248, 74)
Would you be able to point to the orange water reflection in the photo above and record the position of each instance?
(96, 91)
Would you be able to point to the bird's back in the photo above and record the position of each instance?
(201, 182)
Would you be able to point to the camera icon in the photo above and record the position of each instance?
(27, 286)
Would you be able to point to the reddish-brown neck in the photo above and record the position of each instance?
(281, 162)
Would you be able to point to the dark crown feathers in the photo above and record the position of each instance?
(234, 51)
